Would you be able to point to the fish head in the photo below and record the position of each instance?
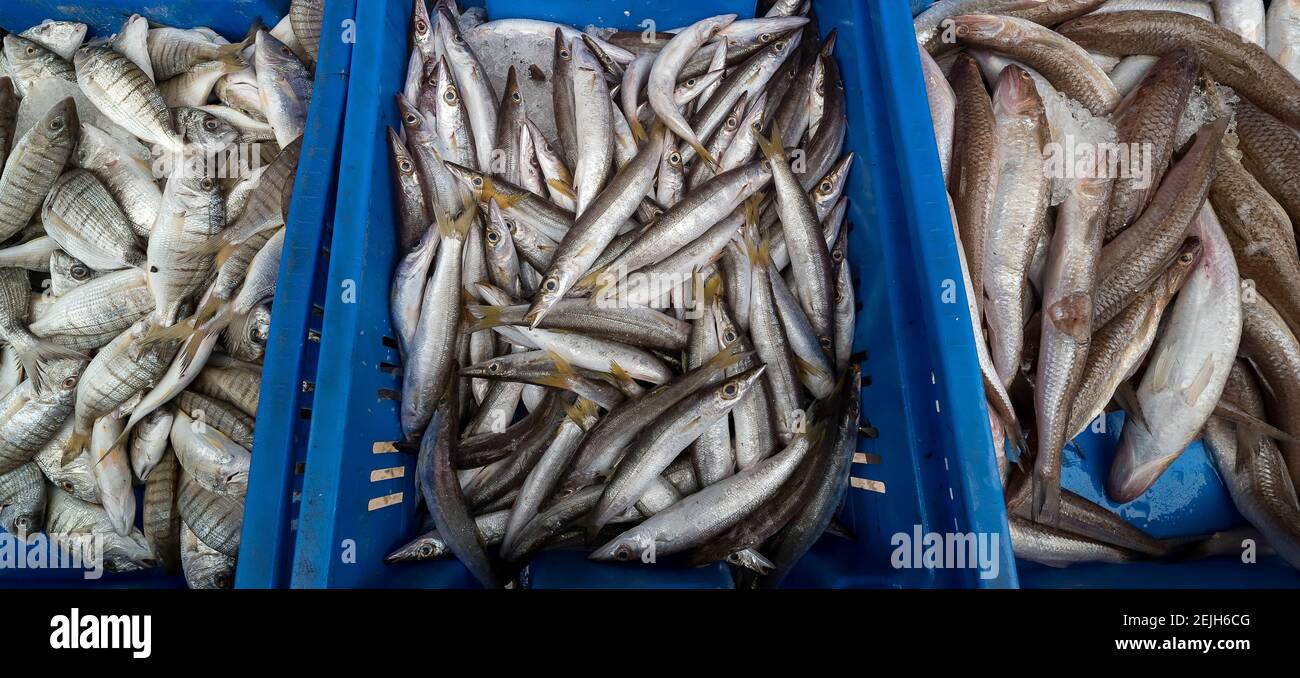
(60, 378)
(274, 55)
(729, 392)
(1137, 465)
(625, 548)
(448, 30)
(205, 130)
(59, 122)
(980, 28)
(421, 24)
(482, 187)
(128, 554)
(23, 520)
(209, 570)
(27, 58)
(1016, 93)
(751, 560)
(70, 269)
(832, 185)
(413, 120)
(760, 30)
(445, 85)
(710, 27)
(1179, 268)
(425, 547)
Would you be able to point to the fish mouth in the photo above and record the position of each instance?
(1130, 477)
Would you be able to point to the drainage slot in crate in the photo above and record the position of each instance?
(389, 394)
(389, 341)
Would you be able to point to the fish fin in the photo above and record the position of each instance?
(562, 187)
(638, 130)
(727, 358)
(36, 354)
(1128, 401)
(752, 204)
(773, 149)
(191, 349)
(704, 153)
(581, 412)
(762, 255)
(1248, 444)
(839, 529)
(223, 254)
(158, 334)
(809, 369)
(712, 288)
(486, 317)
(1236, 416)
(212, 245)
(74, 447)
(1160, 375)
(1202, 379)
(458, 228)
(626, 382)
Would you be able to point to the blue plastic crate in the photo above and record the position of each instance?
(927, 466)
(290, 363)
(1189, 499)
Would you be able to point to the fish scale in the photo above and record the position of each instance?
(120, 90)
(214, 518)
(34, 165)
(88, 224)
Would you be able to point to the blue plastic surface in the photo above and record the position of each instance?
(927, 466)
(280, 443)
(1188, 499)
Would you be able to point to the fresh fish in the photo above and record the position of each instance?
(113, 473)
(125, 168)
(1241, 65)
(1283, 34)
(22, 500)
(61, 37)
(216, 519)
(1188, 368)
(204, 567)
(104, 306)
(943, 105)
(75, 523)
(28, 62)
(149, 442)
(126, 95)
(1271, 347)
(474, 88)
(1057, 548)
(209, 457)
(306, 16)
(33, 166)
(1018, 216)
(284, 87)
(84, 219)
(1271, 152)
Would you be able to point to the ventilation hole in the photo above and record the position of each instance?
(866, 380)
(304, 413)
(313, 335)
(318, 310)
(389, 342)
(859, 357)
(389, 394)
(300, 468)
(308, 387)
(389, 368)
(868, 431)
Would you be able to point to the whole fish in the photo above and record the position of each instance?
(1018, 217)
(209, 457)
(126, 95)
(28, 62)
(33, 166)
(1062, 62)
(149, 442)
(216, 519)
(471, 78)
(82, 216)
(109, 304)
(173, 51)
(1058, 548)
(22, 500)
(84, 528)
(943, 109)
(1188, 369)
(284, 87)
(1241, 65)
(975, 166)
(1068, 288)
(113, 473)
(125, 168)
(192, 212)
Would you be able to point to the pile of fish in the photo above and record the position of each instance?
(1168, 286)
(136, 360)
(624, 310)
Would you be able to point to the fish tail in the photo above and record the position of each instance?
(562, 187)
(625, 380)
(1046, 498)
(485, 317)
(75, 446)
(774, 148)
(638, 130)
(704, 153)
(36, 353)
(160, 334)
(458, 228)
(581, 411)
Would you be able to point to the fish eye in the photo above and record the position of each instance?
(222, 580)
(31, 50)
(477, 181)
(210, 125)
(405, 166)
(825, 186)
(69, 383)
(780, 46)
(286, 51)
(56, 124)
(551, 285)
(456, 36)
(757, 127)
(837, 256)
(729, 336)
(206, 184)
(733, 558)
(731, 123)
(825, 342)
(510, 225)
(839, 296)
(963, 31)
(67, 486)
(421, 27)
(623, 552)
(516, 97)
(1185, 258)
(493, 237)
(675, 159)
(426, 550)
(78, 272)
(410, 119)
(494, 368)
(765, 38)
(731, 389)
(564, 53)
(690, 83)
